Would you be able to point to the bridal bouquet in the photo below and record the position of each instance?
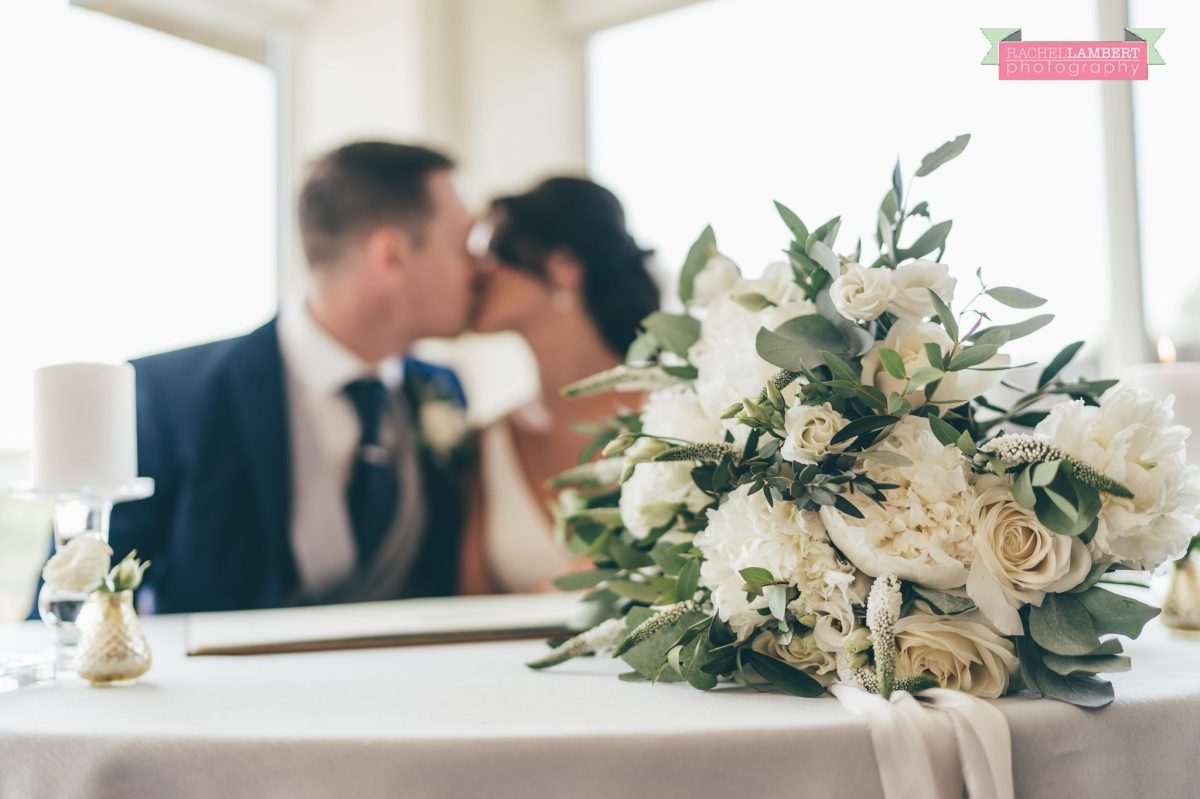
(840, 475)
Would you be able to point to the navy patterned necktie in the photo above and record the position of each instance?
(372, 495)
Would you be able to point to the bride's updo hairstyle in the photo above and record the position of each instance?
(587, 221)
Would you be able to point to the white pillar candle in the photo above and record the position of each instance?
(1169, 378)
(84, 426)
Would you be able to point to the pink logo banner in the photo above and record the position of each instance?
(1073, 60)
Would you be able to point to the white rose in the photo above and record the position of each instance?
(810, 431)
(792, 545)
(961, 652)
(908, 339)
(80, 566)
(922, 532)
(717, 279)
(861, 294)
(653, 495)
(1132, 439)
(911, 283)
(802, 652)
(443, 424)
(1017, 560)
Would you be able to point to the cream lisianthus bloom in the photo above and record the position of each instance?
(908, 339)
(802, 652)
(1017, 560)
(861, 293)
(1132, 439)
(80, 566)
(810, 431)
(911, 283)
(719, 277)
(747, 532)
(961, 652)
(922, 533)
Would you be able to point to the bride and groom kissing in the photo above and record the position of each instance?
(314, 460)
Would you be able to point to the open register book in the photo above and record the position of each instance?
(403, 622)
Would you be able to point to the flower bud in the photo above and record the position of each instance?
(619, 445)
(859, 640)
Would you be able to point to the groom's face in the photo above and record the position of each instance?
(443, 273)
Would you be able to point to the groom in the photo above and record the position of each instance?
(291, 464)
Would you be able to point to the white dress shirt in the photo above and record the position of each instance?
(325, 432)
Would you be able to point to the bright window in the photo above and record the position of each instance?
(708, 113)
(137, 199)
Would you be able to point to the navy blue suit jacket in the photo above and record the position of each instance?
(213, 433)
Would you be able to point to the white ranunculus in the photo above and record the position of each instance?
(961, 652)
(80, 566)
(922, 533)
(810, 431)
(650, 498)
(861, 293)
(1017, 560)
(1132, 438)
(676, 413)
(718, 278)
(802, 652)
(908, 339)
(443, 424)
(792, 545)
(911, 283)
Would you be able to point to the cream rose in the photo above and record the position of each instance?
(861, 294)
(443, 424)
(717, 279)
(80, 566)
(1017, 560)
(802, 652)
(810, 432)
(960, 652)
(908, 339)
(911, 283)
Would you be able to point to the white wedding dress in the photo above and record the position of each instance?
(518, 538)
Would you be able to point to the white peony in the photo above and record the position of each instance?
(1132, 439)
(908, 339)
(718, 278)
(922, 533)
(911, 283)
(792, 545)
(961, 652)
(802, 652)
(80, 566)
(810, 431)
(1017, 560)
(861, 293)
(676, 413)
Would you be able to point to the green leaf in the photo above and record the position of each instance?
(676, 332)
(1085, 664)
(640, 592)
(945, 433)
(944, 314)
(793, 222)
(1044, 473)
(696, 654)
(688, 580)
(1022, 489)
(932, 239)
(798, 343)
(1015, 297)
(889, 206)
(950, 150)
(626, 556)
(827, 232)
(1018, 330)
(859, 427)
(839, 367)
(933, 353)
(893, 363)
(898, 182)
(704, 248)
(648, 656)
(1067, 506)
(1113, 613)
(827, 258)
(1059, 362)
(1062, 625)
(1082, 690)
(574, 581)
(777, 600)
(752, 301)
(966, 444)
(757, 575)
(643, 348)
(924, 376)
(944, 603)
(781, 675)
(972, 356)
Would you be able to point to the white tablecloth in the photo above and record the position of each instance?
(471, 720)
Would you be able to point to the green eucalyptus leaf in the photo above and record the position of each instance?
(972, 356)
(575, 581)
(1022, 489)
(1062, 625)
(1015, 297)
(1018, 330)
(781, 675)
(950, 150)
(688, 580)
(932, 239)
(862, 426)
(1113, 613)
(893, 363)
(1085, 664)
(944, 603)
(1059, 362)
(798, 343)
(944, 314)
(943, 431)
(757, 575)
(924, 376)
(704, 248)
(676, 332)
(792, 220)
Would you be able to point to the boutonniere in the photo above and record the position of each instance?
(441, 418)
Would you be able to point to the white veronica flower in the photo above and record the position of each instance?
(911, 283)
(746, 532)
(862, 293)
(80, 566)
(908, 339)
(922, 533)
(810, 429)
(718, 278)
(1132, 439)
(1017, 560)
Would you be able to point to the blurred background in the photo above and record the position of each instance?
(151, 149)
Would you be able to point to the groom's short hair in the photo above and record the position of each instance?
(361, 186)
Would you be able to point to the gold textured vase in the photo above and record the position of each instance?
(1181, 608)
(113, 649)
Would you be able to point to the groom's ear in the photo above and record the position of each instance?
(563, 271)
(388, 251)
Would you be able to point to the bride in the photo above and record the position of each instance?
(563, 272)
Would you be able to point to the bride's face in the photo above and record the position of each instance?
(508, 297)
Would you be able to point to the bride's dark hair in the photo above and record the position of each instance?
(586, 220)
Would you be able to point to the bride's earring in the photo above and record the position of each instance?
(562, 300)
